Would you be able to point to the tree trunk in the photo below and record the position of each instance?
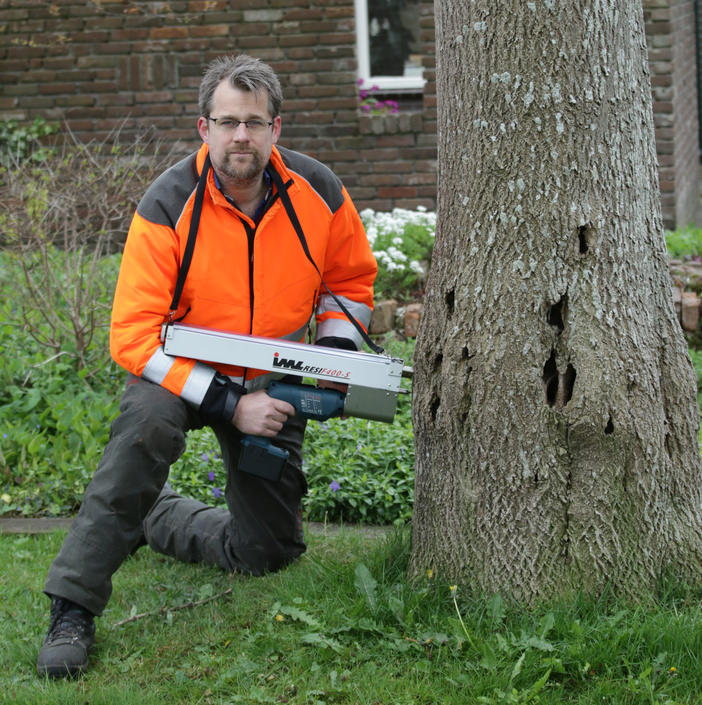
(554, 400)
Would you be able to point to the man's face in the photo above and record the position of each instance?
(239, 155)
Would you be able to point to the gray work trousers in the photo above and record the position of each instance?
(261, 531)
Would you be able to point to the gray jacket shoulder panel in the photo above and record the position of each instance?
(321, 178)
(165, 199)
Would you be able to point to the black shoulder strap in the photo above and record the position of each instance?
(292, 215)
(192, 236)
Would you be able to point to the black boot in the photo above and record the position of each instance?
(71, 635)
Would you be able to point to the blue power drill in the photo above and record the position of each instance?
(258, 455)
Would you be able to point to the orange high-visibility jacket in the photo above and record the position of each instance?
(276, 301)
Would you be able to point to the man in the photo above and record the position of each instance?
(248, 273)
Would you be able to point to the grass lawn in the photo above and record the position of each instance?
(343, 625)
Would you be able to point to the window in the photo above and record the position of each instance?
(388, 44)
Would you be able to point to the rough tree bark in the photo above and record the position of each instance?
(554, 399)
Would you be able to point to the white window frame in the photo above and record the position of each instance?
(384, 83)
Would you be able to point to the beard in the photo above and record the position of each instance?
(240, 173)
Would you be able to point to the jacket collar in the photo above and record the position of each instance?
(276, 162)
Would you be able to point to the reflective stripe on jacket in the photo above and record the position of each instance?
(276, 302)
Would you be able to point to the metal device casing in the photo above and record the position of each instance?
(373, 380)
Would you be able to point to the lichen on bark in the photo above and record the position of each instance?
(554, 401)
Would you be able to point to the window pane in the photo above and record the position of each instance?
(395, 45)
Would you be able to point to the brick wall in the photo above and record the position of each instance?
(670, 30)
(97, 64)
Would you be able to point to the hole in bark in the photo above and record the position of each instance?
(465, 356)
(450, 301)
(583, 232)
(558, 387)
(555, 314)
(550, 378)
(668, 449)
(435, 407)
(609, 428)
(568, 382)
(438, 360)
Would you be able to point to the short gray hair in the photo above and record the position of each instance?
(245, 73)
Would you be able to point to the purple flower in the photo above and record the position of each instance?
(210, 475)
(375, 88)
(216, 492)
(363, 94)
(216, 455)
(358, 446)
(205, 457)
(334, 486)
(365, 108)
(4, 435)
(360, 81)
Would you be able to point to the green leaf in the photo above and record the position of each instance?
(538, 686)
(366, 585)
(318, 639)
(64, 421)
(547, 624)
(539, 644)
(555, 664)
(489, 660)
(517, 667)
(34, 445)
(206, 591)
(299, 615)
(496, 607)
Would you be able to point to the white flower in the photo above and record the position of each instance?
(422, 209)
(397, 241)
(397, 255)
(391, 266)
(416, 267)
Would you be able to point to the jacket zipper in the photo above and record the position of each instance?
(250, 235)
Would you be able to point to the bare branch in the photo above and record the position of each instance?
(165, 609)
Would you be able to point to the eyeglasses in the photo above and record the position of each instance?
(230, 125)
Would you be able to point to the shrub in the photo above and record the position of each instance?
(21, 142)
(402, 243)
(687, 241)
(61, 214)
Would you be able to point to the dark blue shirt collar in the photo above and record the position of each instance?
(261, 205)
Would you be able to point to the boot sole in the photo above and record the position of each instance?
(61, 670)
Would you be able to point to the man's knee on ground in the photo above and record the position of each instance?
(259, 561)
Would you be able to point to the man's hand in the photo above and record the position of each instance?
(257, 414)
